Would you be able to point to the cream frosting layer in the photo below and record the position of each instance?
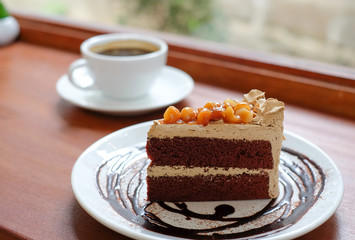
(173, 171)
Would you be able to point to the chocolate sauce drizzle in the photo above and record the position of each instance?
(121, 181)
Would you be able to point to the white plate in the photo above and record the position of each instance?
(172, 86)
(101, 161)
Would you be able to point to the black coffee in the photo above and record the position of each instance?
(129, 47)
(124, 52)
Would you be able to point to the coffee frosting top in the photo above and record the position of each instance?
(267, 123)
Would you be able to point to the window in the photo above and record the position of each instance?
(321, 30)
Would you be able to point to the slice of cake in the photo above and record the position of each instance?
(224, 151)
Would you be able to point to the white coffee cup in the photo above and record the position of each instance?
(116, 76)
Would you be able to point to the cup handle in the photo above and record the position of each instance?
(72, 68)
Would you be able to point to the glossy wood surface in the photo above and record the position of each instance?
(42, 136)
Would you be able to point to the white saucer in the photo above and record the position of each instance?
(172, 86)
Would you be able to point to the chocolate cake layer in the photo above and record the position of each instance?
(208, 188)
(210, 152)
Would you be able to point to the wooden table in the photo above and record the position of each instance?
(42, 136)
